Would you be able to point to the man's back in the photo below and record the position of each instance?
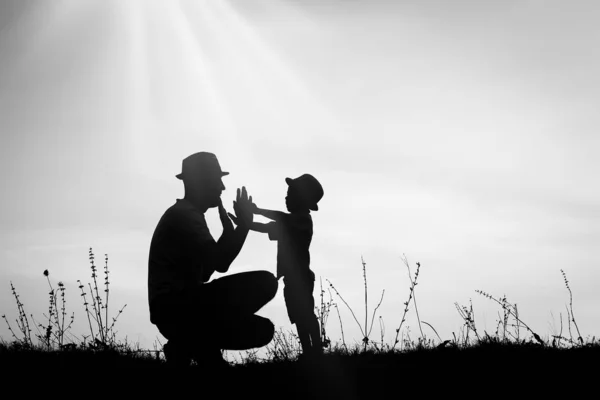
(175, 264)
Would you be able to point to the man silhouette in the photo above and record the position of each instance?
(200, 318)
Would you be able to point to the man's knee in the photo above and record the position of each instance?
(267, 331)
(271, 284)
(268, 283)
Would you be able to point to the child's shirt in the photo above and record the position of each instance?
(293, 233)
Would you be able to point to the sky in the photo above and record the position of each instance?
(461, 135)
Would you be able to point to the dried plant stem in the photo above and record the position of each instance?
(429, 325)
(85, 304)
(375, 311)
(413, 283)
(323, 314)
(22, 321)
(366, 330)
(349, 308)
(341, 326)
(467, 314)
(364, 266)
(507, 306)
(572, 317)
(381, 329)
(97, 300)
(106, 290)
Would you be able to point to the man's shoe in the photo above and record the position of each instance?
(210, 359)
(310, 357)
(176, 355)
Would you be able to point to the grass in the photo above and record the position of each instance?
(355, 371)
(56, 334)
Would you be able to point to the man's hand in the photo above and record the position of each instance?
(253, 208)
(243, 209)
(230, 245)
(225, 221)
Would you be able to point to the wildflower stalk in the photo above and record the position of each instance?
(341, 326)
(507, 306)
(366, 335)
(467, 315)
(97, 300)
(375, 311)
(413, 283)
(364, 330)
(106, 283)
(85, 304)
(349, 308)
(22, 321)
(572, 317)
(51, 314)
(323, 314)
(414, 293)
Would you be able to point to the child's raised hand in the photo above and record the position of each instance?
(252, 207)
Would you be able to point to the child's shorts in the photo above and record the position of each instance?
(298, 295)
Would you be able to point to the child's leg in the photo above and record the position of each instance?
(300, 306)
(315, 335)
(304, 335)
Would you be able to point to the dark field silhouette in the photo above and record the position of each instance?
(352, 375)
(500, 360)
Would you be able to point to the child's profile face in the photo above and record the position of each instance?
(293, 201)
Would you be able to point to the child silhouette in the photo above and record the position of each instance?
(293, 233)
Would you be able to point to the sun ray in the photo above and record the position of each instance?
(258, 78)
(192, 83)
(57, 18)
(140, 119)
(287, 84)
(203, 73)
(203, 76)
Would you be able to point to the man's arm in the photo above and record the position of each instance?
(231, 241)
(228, 247)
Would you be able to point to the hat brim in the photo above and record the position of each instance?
(180, 176)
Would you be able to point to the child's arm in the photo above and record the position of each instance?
(274, 215)
(259, 227)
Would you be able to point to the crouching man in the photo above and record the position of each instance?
(200, 318)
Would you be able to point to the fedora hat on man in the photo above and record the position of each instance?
(200, 164)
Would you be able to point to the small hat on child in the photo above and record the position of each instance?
(309, 188)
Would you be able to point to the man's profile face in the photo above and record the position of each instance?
(211, 188)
